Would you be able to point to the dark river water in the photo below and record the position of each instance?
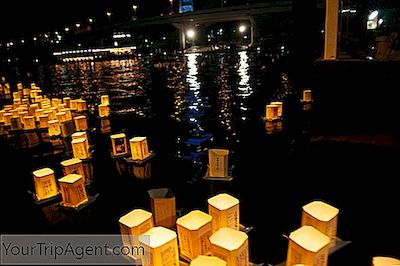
(186, 104)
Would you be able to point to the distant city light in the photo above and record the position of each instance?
(134, 7)
(190, 33)
(108, 14)
(77, 25)
(373, 15)
(90, 20)
(380, 21)
(34, 38)
(22, 41)
(242, 28)
(66, 29)
(115, 43)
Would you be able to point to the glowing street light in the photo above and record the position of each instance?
(90, 20)
(373, 15)
(190, 33)
(66, 29)
(78, 25)
(108, 14)
(242, 28)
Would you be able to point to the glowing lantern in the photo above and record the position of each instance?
(33, 94)
(79, 148)
(207, 260)
(33, 85)
(105, 100)
(73, 191)
(61, 106)
(73, 166)
(16, 95)
(322, 216)
(61, 117)
(119, 144)
(82, 135)
(26, 92)
(385, 261)
(7, 89)
(38, 113)
(73, 105)
(307, 96)
(7, 119)
(29, 122)
(218, 161)
(194, 230)
(24, 101)
(163, 207)
(162, 246)
(225, 211)
(54, 127)
(308, 246)
(32, 109)
(19, 86)
(280, 107)
(14, 113)
(80, 123)
(16, 123)
(104, 110)
(80, 105)
(16, 102)
(67, 101)
(2, 112)
(50, 113)
(230, 245)
(272, 111)
(133, 224)
(45, 183)
(139, 149)
(55, 102)
(43, 121)
(68, 114)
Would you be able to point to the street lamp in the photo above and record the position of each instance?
(190, 33)
(66, 29)
(171, 2)
(134, 7)
(78, 25)
(242, 28)
(90, 20)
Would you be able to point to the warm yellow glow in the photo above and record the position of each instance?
(309, 238)
(190, 33)
(54, 127)
(218, 162)
(73, 190)
(29, 122)
(134, 224)
(104, 110)
(163, 207)
(55, 102)
(159, 236)
(38, 113)
(242, 28)
(7, 119)
(385, 261)
(67, 102)
(68, 114)
(225, 211)
(136, 218)
(61, 117)
(82, 135)
(207, 261)
(73, 166)
(272, 111)
(80, 105)
(80, 123)
(45, 183)
(119, 144)
(307, 96)
(105, 100)
(139, 148)
(79, 148)
(73, 105)
(194, 220)
(280, 107)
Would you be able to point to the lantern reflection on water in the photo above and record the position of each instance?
(194, 230)
(225, 211)
(308, 246)
(73, 191)
(231, 245)
(45, 183)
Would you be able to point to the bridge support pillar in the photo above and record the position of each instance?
(331, 29)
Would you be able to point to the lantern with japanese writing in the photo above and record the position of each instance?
(104, 110)
(308, 246)
(105, 100)
(139, 148)
(73, 191)
(67, 102)
(163, 207)
(68, 114)
(29, 122)
(61, 117)
(225, 211)
(230, 245)
(218, 162)
(73, 105)
(45, 183)
(80, 123)
(73, 166)
(55, 102)
(161, 247)
(79, 148)
(207, 261)
(133, 224)
(54, 127)
(119, 145)
(80, 105)
(82, 135)
(322, 216)
(43, 121)
(194, 230)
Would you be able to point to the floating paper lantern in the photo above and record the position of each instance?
(73, 191)
(16, 95)
(33, 85)
(163, 207)
(80, 105)
(61, 117)
(272, 111)
(73, 105)
(24, 101)
(280, 108)
(45, 183)
(16, 102)
(16, 123)
(7, 89)
(29, 122)
(119, 144)
(26, 92)
(139, 149)
(43, 121)
(104, 110)
(105, 100)
(307, 97)
(207, 261)
(68, 114)
(218, 162)
(73, 166)
(82, 135)
(7, 119)
(61, 106)
(33, 94)
(55, 102)
(38, 113)
(14, 113)
(225, 211)
(194, 230)
(322, 216)
(54, 127)
(19, 86)
(385, 261)
(32, 109)
(80, 123)
(133, 224)
(162, 245)
(230, 245)
(79, 148)
(50, 113)
(67, 101)
(308, 246)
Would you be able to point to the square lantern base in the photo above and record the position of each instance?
(279, 118)
(81, 207)
(145, 160)
(219, 178)
(47, 201)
